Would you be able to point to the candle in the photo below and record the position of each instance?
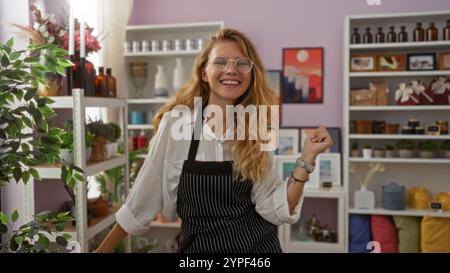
(71, 31)
(82, 38)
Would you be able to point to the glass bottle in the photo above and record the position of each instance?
(142, 140)
(112, 86)
(446, 32)
(368, 38)
(391, 36)
(419, 33)
(100, 83)
(432, 33)
(379, 37)
(402, 35)
(356, 37)
(83, 76)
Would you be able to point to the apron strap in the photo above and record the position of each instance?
(196, 134)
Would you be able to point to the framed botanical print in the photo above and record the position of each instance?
(302, 75)
(363, 63)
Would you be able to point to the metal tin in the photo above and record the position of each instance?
(406, 130)
(419, 130)
(443, 125)
(413, 123)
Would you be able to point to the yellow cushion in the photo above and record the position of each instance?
(435, 234)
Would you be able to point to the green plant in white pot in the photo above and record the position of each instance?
(390, 151)
(405, 148)
(113, 138)
(67, 148)
(428, 149)
(445, 146)
(367, 151)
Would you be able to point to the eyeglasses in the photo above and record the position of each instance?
(243, 65)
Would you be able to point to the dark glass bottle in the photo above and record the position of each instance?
(419, 33)
(101, 86)
(391, 36)
(446, 32)
(368, 37)
(356, 37)
(112, 87)
(402, 35)
(379, 37)
(83, 76)
(432, 33)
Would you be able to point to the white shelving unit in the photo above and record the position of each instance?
(161, 232)
(429, 173)
(288, 234)
(78, 103)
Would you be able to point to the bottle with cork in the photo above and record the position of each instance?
(368, 38)
(379, 36)
(402, 35)
(112, 86)
(419, 33)
(432, 33)
(356, 37)
(446, 32)
(391, 36)
(101, 85)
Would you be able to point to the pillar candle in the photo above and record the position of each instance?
(71, 31)
(82, 38)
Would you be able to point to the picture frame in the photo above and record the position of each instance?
(302, 75)
(274, 81)
(335, 133)
(444, 61)
(421, 61)
(329, 168)
(284, 167)
(288, 142)
(391, 62)
(363, 63)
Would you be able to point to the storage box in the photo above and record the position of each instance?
(363, 97)
(381, 92)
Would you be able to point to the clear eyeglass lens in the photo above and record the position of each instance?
(242, 64)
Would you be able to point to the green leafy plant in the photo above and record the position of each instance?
(390, 147)
(68, 138)
(445, 145)
(367, 146)
(405, 144)
(355, 145)
(428, 146)
(116, 132)
(26, 139)
(99, 129)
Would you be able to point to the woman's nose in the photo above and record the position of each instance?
(231, 68)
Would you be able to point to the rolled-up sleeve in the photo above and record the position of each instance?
(271, 202)
(145, 198)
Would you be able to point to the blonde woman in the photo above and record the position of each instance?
(225, 191)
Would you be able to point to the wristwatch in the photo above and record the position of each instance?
(305, 165)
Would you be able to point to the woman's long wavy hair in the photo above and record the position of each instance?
(250, 162)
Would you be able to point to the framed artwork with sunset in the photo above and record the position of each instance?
(302, 75)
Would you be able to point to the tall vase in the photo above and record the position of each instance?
(161, 89)
(179, 75)
(364, 199)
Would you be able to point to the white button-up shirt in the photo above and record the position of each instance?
(156, 187)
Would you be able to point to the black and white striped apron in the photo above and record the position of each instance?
(217, 213)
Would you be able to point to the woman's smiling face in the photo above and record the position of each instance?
(226, 85)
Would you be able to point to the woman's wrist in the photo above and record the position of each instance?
(308, 158)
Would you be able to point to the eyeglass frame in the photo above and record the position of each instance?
(235, 62)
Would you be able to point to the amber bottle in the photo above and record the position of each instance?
(402, 35)
(379, 37)
(101, 86)
(368, 37)
(432, 33)
(419, 33)
(83, 76)
(391, 36)
(111, 83)
(446, 32)
(356, 37)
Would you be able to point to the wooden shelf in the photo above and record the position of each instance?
(402, 160)
(397, 136)
(397, 46)
(401, 108)
(67, 102)
(163, 54)
(399, 74)
(335, 192)
(406, 212)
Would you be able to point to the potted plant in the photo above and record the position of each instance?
(100, 132)
(445, 146)
(428, 149)
(367, 151)
(113, 138)
(355, 149)
(378, 152)
(390, 151)
(405, 148)
(67, 145)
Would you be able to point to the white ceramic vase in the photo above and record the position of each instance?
(364, 199)
(161, 89)
(179, 75)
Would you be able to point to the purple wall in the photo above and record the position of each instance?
(274, 24)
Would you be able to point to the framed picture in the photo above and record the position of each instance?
(444, 61)
(363, 62)
(274, 82)
(285, 165)
(335, 133)
(329, 166)
(421, 61)
(302, 75)
(288, 142)
(391, 62)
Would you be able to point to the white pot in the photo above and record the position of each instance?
(179, 75)
(67, 156)
(367, 153)
(364, 199)
(427, 154)
(390, 154)
(405, 153)
(355, 153)
(114, 148)
(161, 89)
(108, 147)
